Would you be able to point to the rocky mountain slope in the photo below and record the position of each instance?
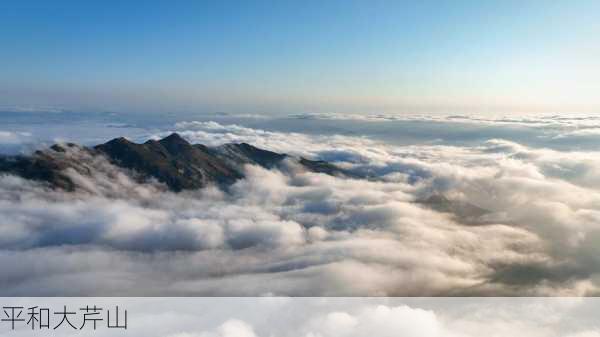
(171, 160)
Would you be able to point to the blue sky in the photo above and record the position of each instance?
(301, 56)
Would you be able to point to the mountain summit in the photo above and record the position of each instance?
(171, 160)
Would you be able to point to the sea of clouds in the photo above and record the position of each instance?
(292, 232)
(359, 318)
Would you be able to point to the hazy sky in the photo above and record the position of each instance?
(301, 56)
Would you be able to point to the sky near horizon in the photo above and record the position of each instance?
(301, 56)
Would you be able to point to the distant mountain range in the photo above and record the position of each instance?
(171, 160)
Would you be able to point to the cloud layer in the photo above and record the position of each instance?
(514, 220)
(456, 317)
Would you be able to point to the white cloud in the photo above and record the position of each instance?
(357, 319)
(379, 321)
(299, 233)
(231, 328)
(591, 333)
(12, 138)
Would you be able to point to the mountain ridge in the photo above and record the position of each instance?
(171, 160)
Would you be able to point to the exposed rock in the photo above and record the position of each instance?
(171, 160)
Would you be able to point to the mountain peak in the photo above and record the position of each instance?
(119, 140)
(174, 138)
